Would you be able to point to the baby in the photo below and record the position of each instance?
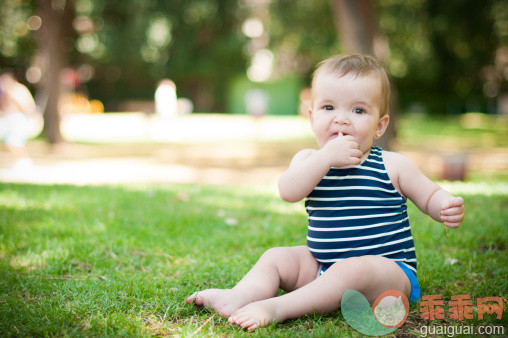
(359, 235)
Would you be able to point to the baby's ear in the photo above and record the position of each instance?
(310, 115)
(382, 125)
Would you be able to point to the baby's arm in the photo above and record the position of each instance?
(425, 194)
(309, 166)
(305, 171)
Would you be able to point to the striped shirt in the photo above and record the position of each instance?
(357, 211)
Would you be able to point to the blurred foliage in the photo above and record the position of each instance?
(438, 55)
(441, 53)
(17, 45)
(131, 45)
(302, 33)
(439, 50)
(195, 43)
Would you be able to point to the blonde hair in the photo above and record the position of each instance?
(357, 65)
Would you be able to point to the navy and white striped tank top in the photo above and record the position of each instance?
(357, 211)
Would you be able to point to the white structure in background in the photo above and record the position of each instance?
(165, 100)
(256, 102)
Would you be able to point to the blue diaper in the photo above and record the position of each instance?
(415, 287)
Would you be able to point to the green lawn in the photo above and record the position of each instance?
(121, 260)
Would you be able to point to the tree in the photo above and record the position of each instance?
(356, 25)
(358, 29)
(56, 29)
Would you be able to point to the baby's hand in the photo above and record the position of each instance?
(452, 211)
(343, 151)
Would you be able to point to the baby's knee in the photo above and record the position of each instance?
(356, 267)
(275, 253)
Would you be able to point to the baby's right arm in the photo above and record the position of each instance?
(309, 166)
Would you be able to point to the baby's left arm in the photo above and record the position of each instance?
(425, 194)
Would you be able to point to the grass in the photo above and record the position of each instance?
(121, 260)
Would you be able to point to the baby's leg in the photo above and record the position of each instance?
(371, 275)
(288, 268)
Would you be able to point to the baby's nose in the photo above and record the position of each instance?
(341, 118)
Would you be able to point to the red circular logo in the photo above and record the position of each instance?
(391, 308)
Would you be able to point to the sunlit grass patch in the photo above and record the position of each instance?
(484, 188)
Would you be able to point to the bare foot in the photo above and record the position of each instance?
(255, 315)
(224, 301)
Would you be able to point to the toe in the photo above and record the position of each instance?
(253, 327)
(238, 319)
(246, 324)
(233, 319)
(191, 298)
(249, 325)
(198, 300)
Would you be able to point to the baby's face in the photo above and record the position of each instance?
(347, 105)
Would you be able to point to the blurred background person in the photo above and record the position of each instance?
(305, 102)
(165, 100)
(16, 107)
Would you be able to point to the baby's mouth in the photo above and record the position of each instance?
(335, 135)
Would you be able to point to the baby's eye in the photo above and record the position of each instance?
(327, 107)
(359, 111)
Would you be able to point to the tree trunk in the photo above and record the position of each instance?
(358, 30)
(57, 22)
(356, 23)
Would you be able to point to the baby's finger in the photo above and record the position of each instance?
(456, 202)
(452, 211)
(356, 153)
(452, 219)
(354, 145)
(354, 160)
(452, 225)
(349, 141)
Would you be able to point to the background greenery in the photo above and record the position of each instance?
(441, 54)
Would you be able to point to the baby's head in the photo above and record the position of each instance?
(349, 97)
(355, 65)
